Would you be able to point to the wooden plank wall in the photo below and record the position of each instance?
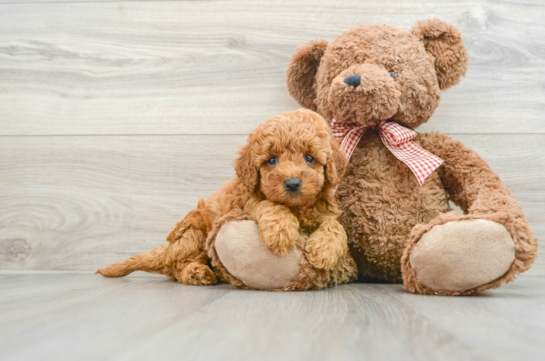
(117, 116)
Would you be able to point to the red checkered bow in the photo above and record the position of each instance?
(397, 139)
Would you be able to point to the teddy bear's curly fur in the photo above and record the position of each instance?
(397, 229)
(305, 218)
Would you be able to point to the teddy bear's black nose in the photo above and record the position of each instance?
(353, 80)
(292, 184)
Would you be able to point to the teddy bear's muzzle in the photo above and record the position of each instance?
(365, 94)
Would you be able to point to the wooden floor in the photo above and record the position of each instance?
(81, 316)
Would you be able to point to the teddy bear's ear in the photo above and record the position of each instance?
(444, 42)
(302, 72)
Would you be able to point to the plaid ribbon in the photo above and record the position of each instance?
(397, 139)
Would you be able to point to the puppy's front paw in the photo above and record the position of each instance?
(279, 234)
(325, 248)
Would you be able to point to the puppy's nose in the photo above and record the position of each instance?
(292, 184)
(353, 80)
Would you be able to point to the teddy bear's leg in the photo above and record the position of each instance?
(489, 245)
(237, 251)
(459, 256)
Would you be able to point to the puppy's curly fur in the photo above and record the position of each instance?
(260, 192)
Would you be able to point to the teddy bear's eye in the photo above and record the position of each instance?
(393, 74)
(273, 161)
(309, 159)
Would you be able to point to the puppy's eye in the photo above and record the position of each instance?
(393, 74)
(272, 162)
(309, 159)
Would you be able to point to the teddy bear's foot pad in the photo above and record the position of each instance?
(459, 256)
(244, 255)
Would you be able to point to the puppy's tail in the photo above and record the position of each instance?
(152, 261)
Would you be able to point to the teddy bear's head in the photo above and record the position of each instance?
(373, 73)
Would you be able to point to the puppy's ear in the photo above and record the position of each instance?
(246, 169)
(335, 165)
(444, 42)
(302, 72)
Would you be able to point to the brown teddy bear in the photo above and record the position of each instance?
(375, 84)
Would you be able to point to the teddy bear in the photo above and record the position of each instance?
(374, 85)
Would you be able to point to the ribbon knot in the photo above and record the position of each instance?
(397, 139)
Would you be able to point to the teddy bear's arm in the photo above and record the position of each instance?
(470, 182)
(485, 247)
(327, 244)
(278, 227)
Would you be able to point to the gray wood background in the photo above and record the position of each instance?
(117, 116)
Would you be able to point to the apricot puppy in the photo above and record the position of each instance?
(286, 175)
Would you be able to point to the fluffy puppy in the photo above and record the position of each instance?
(286, 176)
